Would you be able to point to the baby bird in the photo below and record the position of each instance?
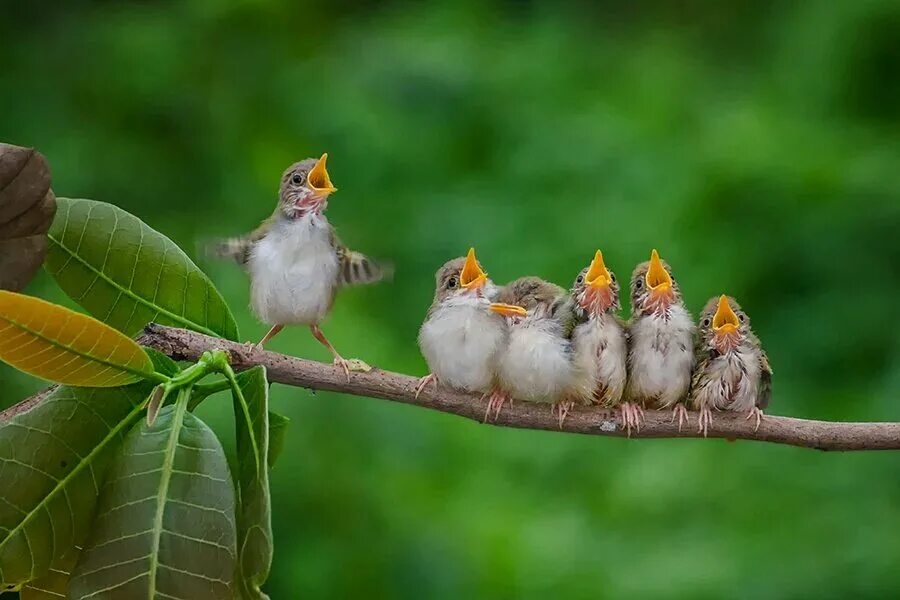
(461, 336)
(733, 371)
(598, 341)
(660, 340)
(296, 262)
(536, 364)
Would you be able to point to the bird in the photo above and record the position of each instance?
(295, 260)
(599, 344)
(461, 336)
(660, 341)
(733, 371)
(536, 365)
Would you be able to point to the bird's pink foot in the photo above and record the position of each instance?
(423, 383)
(758, 413)
(705, 420)
(632, 416)
(680, 413)
(561, 409)
(495, 403)
(343, 364)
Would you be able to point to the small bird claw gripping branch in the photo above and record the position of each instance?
(181, 344)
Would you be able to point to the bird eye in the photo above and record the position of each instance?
(612, 276)
(706, 322)
(580, 279)
(639, 283)
(297, 179)
(452, 282)
(742, 317)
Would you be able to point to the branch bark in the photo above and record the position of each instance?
(181, 344)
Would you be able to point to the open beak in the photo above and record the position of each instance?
(319, 180)
(598, 276)
(508, 310)
(725, 322)
(658, 279)
(472, 277)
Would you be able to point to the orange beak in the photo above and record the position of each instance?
(598, 276)
(658, 279)
(508, 310)
(472, 277)
(319, 180)
(725, 321)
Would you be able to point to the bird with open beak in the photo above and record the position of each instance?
(536, 364)
(598, 340)
(660, 341)
(733, 371)
(295, 260)
(461, 336)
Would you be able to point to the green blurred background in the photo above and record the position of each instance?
(756, 144)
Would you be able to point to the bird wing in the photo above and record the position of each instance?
(357, 268)
(563, 310)
(765, 382)
(238, 248)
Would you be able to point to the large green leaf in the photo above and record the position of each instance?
(52, 462)
(165, 523)
(254, 517)
(54, 584)
(278, 425)
(127, 275)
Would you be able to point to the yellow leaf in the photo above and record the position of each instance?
(55, 343)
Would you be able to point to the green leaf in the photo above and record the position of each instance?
(126, 274)
(162, 363)
(53, 458)
(254, 517)
(165, 522)
(278, 425)
(54, 584)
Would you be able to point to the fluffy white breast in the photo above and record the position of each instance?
(537, 362)
(460, 340)
(293, 272)
(600, 354)
(730, 381)
(660, 357)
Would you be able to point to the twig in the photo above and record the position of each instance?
(181, 344)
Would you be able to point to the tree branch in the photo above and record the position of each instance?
(181, 344)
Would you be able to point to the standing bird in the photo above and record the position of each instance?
(296, 262)
(598, 341)
(536, 364)
(660, 340)
(461, 336)
(733, 371)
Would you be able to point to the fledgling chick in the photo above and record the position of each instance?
(296, 262)
(733, 371)
(660, 340)
(536, 364)
(598, 341)
(461, 336)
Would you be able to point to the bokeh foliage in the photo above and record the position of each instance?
(756, 144)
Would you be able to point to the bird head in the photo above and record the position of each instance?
(653, 289)
(461, 277)
(723, 325)
(305, 188)
(596, 290)
(527, 297)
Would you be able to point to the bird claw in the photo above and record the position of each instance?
(679, 412)
(632, 417)
(705, 420)
(495, 403)
(351, 364)
(561, 409)
(758, 413)
(423, 383)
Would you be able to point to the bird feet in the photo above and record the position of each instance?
(705, 420)
(351, 364)
(423, 383)
(496, 401)
(561, 409)
(632, 416)
(679, 412)
(758, 413)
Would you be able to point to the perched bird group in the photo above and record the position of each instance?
(529, 340)
(535, 341)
